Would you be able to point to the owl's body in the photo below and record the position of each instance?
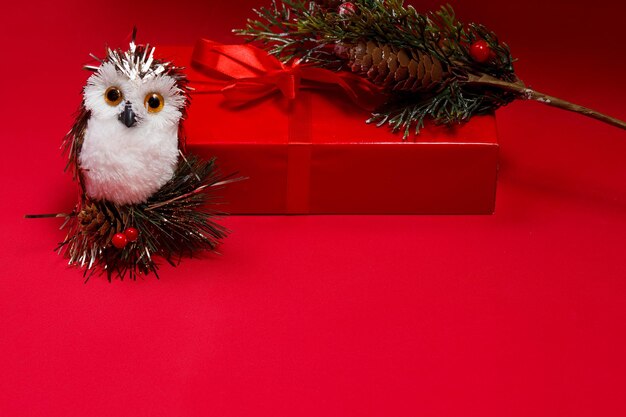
(127, 165)
(128, 147)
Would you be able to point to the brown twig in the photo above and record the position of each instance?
(47, 216)
(191, 193)
(524, 92)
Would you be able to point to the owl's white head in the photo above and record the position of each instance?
(130, 146)
(143, 102)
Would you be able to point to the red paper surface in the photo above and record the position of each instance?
(517, 314)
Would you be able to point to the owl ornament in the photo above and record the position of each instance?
(141, 197)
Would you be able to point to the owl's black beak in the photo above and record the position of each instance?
(128, 116)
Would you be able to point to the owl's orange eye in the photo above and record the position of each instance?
(154, 102)
(113, 96)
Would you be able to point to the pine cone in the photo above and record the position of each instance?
(99, 222)
(396, 68)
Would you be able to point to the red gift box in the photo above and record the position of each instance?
(316, 154)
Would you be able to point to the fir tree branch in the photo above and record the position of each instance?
(369, 41)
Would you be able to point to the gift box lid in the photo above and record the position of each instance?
(334, 118)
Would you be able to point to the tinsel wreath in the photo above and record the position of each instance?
(126, 240)
(123, 240)
(432, 66)
(140, 196)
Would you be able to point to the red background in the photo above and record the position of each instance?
(517, 314)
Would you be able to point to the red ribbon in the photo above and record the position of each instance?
(245, 73)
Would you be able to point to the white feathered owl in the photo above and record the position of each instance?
(127, 137)
(141, 195)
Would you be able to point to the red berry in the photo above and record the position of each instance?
(480, 51)
(119, 240)
(131, 234)
(347, 9)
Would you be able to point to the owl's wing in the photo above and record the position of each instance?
(73, 142)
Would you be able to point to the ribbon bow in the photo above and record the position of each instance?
(245, 73)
